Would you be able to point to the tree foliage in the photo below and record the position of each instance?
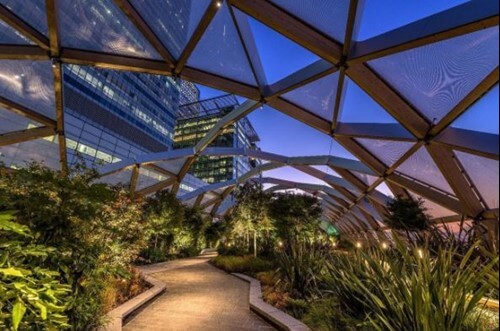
(295, 215)
(173, 228)
(251, 211)
(250, 216)
(407, 215)
(97, 231)
(31, 296)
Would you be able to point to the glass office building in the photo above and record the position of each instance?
(197, 119)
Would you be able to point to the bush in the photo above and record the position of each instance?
(328, 315)
(297, 307)
(152, 255)
(242, 264)
(31, 297)
(407, 289)
(189, 252)
(232, 251)
(97, 231)
(120, 290)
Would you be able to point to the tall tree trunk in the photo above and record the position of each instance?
(255, 243)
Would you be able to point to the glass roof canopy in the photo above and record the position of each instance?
(427, 125)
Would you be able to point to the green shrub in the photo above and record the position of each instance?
(242, 264)
(152, 255)
(31, 297)
(189, 252)
(328, 315)
(97, 231)
(408, 289)
(297, 307)
(232, 251)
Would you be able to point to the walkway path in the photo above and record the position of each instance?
(198, 297)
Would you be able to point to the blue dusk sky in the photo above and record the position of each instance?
(281, 57)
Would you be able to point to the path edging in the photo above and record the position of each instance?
(276, 317)
(117, 315)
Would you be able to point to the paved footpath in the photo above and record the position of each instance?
(199, 297)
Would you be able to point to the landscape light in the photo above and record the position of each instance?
(420, 253)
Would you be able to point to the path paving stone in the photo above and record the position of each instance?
(198, 297)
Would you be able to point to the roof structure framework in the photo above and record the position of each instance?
(426, 76)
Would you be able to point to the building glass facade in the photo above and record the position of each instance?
(196, 120)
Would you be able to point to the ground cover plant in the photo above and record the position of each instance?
(248, 264)
(429, 277)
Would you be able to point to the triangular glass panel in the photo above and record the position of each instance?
(359, 107)
(10, 36)
(420, 166)
(267, 186)
(434, 210)
(225, 205)
(326, 170)
(101, 26)
(148, 177)
(44, 150)
(367, 179)
(374, 21)
(484, 174)
(387, 151)
(317, 97)
(274, 48)
(174, 22)
(173, 166)
(221, 52)
(384, 189)
(206, 93)
(31, 11)
(293, 175)
(10, 122)
(330, 17)
(436, 77)
(483, 115)
(119, 178)
(29, 83)
(190, 184)
(284, 135)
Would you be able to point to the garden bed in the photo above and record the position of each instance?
(116, 316)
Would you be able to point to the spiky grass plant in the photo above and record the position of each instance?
(300, 263)
(407, 289)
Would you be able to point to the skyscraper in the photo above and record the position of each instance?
(197, 119)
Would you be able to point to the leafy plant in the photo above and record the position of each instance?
(407, 215)
(165, 215)
(299, 264)
(31, 297)
(97, 231)
(327, 315)
(250, 215)
(232, 251)
(407, 289)
(295, 216)
(242, 264)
